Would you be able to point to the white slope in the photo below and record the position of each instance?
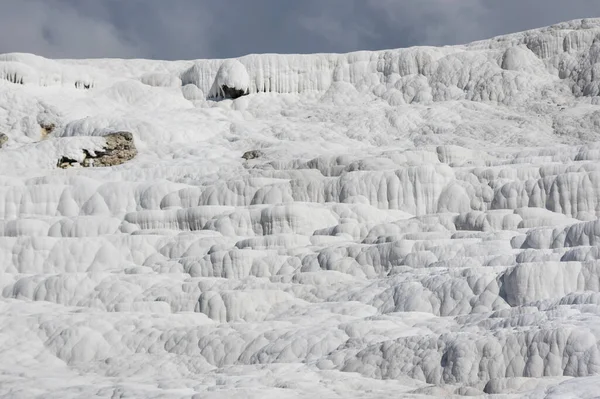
(420, 222)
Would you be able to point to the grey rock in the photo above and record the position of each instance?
(253, 154)
(232, 92)
(3, 139)
(119, 148)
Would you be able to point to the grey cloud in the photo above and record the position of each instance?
(189, 29)
(58, 30)
(434, 22)
(440, 22)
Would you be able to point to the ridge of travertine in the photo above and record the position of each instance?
(413, 222)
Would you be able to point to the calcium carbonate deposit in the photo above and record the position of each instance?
(405, 223)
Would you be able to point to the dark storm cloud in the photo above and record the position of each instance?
(188, 29)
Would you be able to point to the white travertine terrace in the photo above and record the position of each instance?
(416, 222)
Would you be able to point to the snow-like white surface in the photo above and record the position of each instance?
(232, 74)
(421, 222)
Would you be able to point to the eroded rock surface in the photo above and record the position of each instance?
(119, 148)
(252, 154)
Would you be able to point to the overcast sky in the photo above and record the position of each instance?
(191, 29)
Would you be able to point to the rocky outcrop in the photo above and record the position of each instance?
(3, 139)
(119, 148)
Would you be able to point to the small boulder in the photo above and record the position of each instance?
(253, 154)
(3, 139)
(119, 148)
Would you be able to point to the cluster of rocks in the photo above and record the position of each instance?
(119, 148)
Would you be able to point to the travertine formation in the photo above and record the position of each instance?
(417, 222)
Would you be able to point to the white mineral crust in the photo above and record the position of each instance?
(414, 222)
